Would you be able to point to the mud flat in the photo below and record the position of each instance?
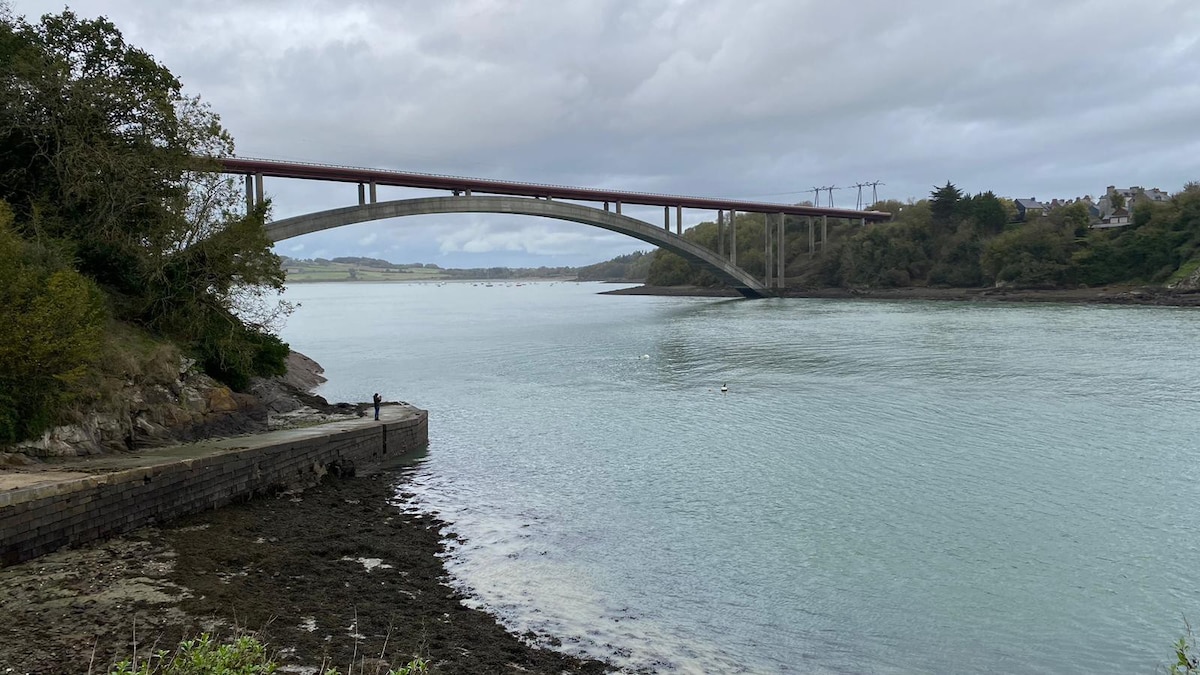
(308, 571)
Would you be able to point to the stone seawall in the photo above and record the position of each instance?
(76, 509)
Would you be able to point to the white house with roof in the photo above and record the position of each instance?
(1118, 218)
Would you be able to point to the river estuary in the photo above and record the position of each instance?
(886, 487)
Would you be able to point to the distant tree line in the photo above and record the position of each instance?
(957, 240)
(356, 260)
(510, 272)
(632, 267)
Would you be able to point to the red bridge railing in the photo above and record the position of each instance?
(351, 174)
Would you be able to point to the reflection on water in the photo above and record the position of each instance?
(886, 487)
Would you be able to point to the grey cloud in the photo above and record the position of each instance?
(707, 97)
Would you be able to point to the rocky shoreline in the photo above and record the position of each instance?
(321, 575)
(1151, 295)
(337, 570)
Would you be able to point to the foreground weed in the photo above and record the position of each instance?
(245, 655)
(1187, 660)
(204, 656)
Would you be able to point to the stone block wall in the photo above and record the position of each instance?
(37, 520)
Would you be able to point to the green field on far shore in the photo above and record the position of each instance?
(301, 271)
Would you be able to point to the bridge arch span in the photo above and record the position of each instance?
(736, 277)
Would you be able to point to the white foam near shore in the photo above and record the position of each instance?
(489, 561)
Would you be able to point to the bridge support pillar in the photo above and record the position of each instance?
(781, 238)
(374, 194)
(768, 258)
(667, 218)
(258, 189)
(249, 193)
(812, 238)
(721, 233)
(824, 232)
(679, 220)
(618, 208)
(733, 238)
(362, 195)
(605, 206)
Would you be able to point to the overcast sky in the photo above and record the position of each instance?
(758, 99)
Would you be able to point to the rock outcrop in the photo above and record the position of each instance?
(1189, 283)
(193, 407)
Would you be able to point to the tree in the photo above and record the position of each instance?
(944, 204)
(101, 151)
(668, 269)
(1117, 200)
(988, 212)
(1074, 217)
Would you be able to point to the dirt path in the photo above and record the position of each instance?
(309, 571)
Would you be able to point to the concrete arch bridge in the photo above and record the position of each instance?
(476, 195)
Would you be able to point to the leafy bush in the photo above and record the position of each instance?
(1036, 254)
(51, 324)
(203, 656)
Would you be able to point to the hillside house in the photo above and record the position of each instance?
(1027, 208)
(1118, 218)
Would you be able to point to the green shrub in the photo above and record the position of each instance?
(51, 325)
(203, 656)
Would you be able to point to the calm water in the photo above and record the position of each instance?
(885, 488)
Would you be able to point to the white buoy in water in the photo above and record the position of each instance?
(645, 356)
(724, 388)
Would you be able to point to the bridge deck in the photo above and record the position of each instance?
(345, 174)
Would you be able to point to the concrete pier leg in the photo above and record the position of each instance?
(721, 233)
(467, 192)
(258, 189)
(812, 238)
(374, 194)
(824, 232)
(679, 220)
(249, 193)
(362, 194)
(605, 206)
(667, 218)
(768, 259)
(618, 208)
(781, 238)
(733, 237)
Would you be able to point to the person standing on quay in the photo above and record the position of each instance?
(377, 399)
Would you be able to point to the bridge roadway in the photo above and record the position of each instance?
(537, 199)
(344, 174)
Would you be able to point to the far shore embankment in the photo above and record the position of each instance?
(1112, 295)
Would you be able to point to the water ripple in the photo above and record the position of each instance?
(885, 487)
